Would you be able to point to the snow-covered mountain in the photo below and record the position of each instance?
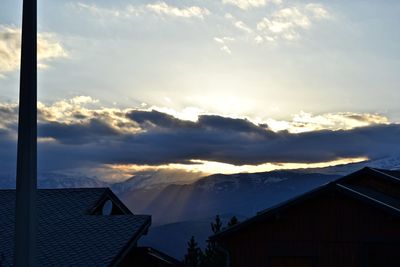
(180, 211)
(154, 179)
(217, 194)
(162, 178)
(244, 193)
(55, 180)
(182, 204)
(389, 163)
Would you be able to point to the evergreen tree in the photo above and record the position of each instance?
(233, 221)
(209, 254)
(212, 256)
(217, 225)
(193, 255)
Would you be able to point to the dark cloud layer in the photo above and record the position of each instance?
(94, 130)
(162, 138)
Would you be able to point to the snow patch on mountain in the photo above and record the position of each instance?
(54, 180)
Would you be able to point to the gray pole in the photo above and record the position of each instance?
(25, 210)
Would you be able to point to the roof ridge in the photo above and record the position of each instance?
(277, 206)
(294, 198)
(368, 197)
(330, 185)
(61, 189)
(382, 171)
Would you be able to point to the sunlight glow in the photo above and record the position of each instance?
(211, 167)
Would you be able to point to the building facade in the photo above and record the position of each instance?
(354, 221)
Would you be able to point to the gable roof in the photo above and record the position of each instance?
(368, 195)
(68, 232)
(390, 173)
(386, 175)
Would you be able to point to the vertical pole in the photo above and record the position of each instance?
(25, 209)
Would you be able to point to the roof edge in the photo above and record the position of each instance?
(331, 185)
(109, 193)
(270, 211)
(370, 199)
(379, 171)
(375, 171)
(131, 243)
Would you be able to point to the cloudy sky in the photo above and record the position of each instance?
(206, 85)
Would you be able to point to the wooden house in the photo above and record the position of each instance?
(351, 222)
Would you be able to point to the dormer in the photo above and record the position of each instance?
(109, 205)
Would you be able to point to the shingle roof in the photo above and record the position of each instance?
(67, 234)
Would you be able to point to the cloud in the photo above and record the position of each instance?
(158, 8)
(306, 122)
(163, 8)
(283, 23)
(258, 39)
(224, 44)
(8, 115)
(105, 12)
(82, 110)
(49, 48)
(226, 49)
(286, 23)
(156, 119)
(242, 26)
(247, 4)
(78, 133)
(224, 40)
(93, 129)
(284, 20)
(317, 11)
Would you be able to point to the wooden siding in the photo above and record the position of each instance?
(331, 229)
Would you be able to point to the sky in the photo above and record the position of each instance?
(206, 86)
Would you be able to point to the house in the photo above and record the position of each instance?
(78, 227)
(353, 221)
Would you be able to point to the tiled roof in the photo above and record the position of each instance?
(67, 234)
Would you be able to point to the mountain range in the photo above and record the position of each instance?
(183, 207)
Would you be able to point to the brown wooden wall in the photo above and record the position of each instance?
(331, 230)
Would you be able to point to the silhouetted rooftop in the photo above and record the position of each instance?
(393, 173)
(69, 232)
(348, 185)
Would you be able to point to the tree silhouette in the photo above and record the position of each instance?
(212, 256)
(209, 254)
(194, 255)
(217, 225)
(233, 221)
